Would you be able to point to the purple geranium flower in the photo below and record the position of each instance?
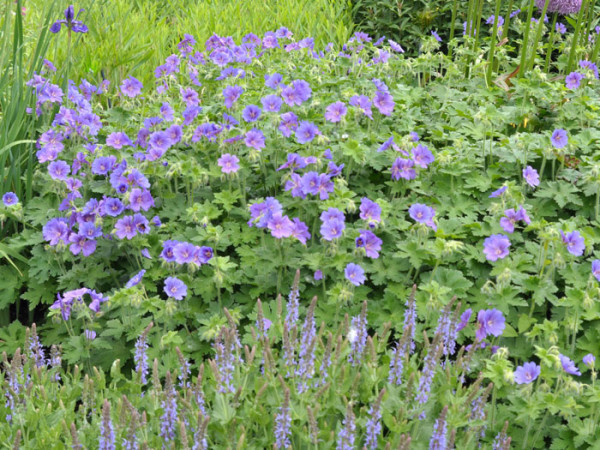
(89, 230)
(436, 36)
(403, 168)
(300, 230)
(232, 94)
(363, 103)
(527, 373)
(289, 123)
(125, 228)
(568, 365)
(496, 247)
(589, 360)
(489, 322)
(81, 244)
(335, 112)
(203, 255)
(306, 132)
(370, 242)
(140, 199)
(559, 138)
(103, 164)
(118, 140)
(271, 103)
(509, 220)
(354, 274)
(384, 102)
(251, 113)
(175, 288)
(160, 141)
(387, 144)
(56, 230)
(370, 211)
(560, 6)
(422, 156)
(395, 46)
(273, 81)
(228, 163)
(59, 170)
(422, 214)
(573, 80)
(574, 242)
(332, 229)
(531, 176)
(255, 139)
(332, 214)
(280, 226)
(184, 252)
(131, 87)
(10, 199)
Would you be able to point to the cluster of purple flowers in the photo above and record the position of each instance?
(404, 166)
(333, 224)
(311, 183)
(74, 298)
(368, 241)
(489, 322)
(511, 217)
(185, 253)
(269, 214)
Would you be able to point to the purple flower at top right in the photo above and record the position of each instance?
(560, 6)
(568, 365)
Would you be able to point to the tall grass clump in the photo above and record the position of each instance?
(127, 36)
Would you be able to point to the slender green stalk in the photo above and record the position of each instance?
(576, 34)
(538, 35)
(550, 43)
(590, 17)
(470, 14)
(525, 44)
(452, 26)
(507, 19)
(478, 24)
(490, 66)
(596, 47)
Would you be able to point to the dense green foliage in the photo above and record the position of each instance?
(476, 182)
